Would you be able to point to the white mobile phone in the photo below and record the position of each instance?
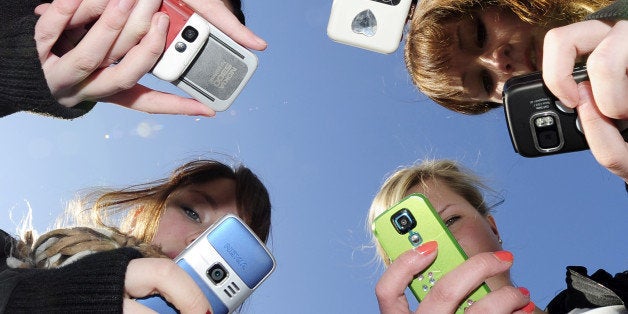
(187, 33)
(375, 25)
(201, 60)
(228, 262)
(219, 72)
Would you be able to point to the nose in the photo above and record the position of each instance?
(499, 59)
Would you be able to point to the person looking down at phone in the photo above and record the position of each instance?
(461, 52)
(457, 195)
(53, 65)
(108, 264)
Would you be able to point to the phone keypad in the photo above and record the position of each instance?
(429, 280)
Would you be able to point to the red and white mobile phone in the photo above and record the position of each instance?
(187, 35)
(201, 60)
(179, 14)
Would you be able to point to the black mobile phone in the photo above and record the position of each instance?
(538, 123)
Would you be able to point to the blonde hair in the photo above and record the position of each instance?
(454, 176)
(136, 210)
(426, 55)
(106, 219)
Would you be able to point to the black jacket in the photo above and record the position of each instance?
(93, 284)
(23, 84)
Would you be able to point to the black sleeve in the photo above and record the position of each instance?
(23, 85)
(618, 10)
(6, 243)
(94, 283)
(590, 291)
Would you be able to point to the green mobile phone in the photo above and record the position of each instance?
(412, 222)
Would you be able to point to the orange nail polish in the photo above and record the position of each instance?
(524, 291)
(504, 256)
(427, 247)
(529, 308)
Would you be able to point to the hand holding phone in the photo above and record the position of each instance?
(538, 123)
(375, 25)
(412, 222)
(144, 276)
(228, 262)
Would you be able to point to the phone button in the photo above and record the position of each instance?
(579, 125)
(562, 107)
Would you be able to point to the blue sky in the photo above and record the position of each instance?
(323, 124)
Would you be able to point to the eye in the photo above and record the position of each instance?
(191, 213)
(450, 221)
(480, 29)
(487, 82)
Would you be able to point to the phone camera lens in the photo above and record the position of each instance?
(403, 221)
(180, 46)
(546, 128)
(189, 33)
(217, 273)
(548, 139)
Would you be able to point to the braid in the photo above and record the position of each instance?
(60, 247)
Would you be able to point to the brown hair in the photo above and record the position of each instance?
(141, 206)
(426, 56)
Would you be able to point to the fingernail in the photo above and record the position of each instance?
(162, 23)
(583, 91)
(529, 308)
(262, 42)
(504, 256)
(427, 247)
(524, 291)
(208, 312)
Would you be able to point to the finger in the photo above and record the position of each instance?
(391, 286)
(451, 289)
(137, 26)
(89, 53)
(68, 40)
(132, 306)
(605, 141)
(561, 47)
(608, 71)
(115, 80)
(40, 9)
(220, 16)
(139, 60)
(504, 300)
(89, 11)
(51, 25)
(146, 100)
(146, 276)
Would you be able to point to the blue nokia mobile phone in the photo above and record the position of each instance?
(228, 262)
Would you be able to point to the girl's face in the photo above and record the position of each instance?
(190, 210)
(489, 48)
(474, 232)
